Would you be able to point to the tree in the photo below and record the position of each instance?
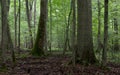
(99, 42)
(104, 53)
(4, 27)
(67, 44)
(50, 42)
(29, 17)
(116, 44)
(6, 36)
(0, 26)
(99, 27)
(85, 52)
(116, 27)
(74, 30)
(41, 32)
(34, 17)
(15, 23)
(19, 23)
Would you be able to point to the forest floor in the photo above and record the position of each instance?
(58, 65)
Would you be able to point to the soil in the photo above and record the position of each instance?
(57, 65)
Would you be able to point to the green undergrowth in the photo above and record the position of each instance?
(112, 56)
(22, 55)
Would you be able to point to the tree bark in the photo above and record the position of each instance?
(40, 38)
(116, 44)
(4, 28)
(85, 52)
(50, 42)
(35, 18)
(99, 27)
(19, 26)
(67, 44)
(15, 24)
(104, 53)
(6, 36)
(99, 43)
(74, 29)
(29, 17)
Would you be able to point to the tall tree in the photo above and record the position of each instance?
(99, 26)
(4, 28)
(10, 43)
(67, 44)
(99, 43)
(15, 23)
(6, 36)
(41, 32)
(74, 29)
(116, 44)
(29, 17)
(116, 27)
(104, 53)
(85, 52)
(34, 17)
(0, 26)
(50, 42)
(19, 23)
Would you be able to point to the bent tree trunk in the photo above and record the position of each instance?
(85, 52)
(41, 32)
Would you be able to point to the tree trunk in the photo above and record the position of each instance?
(29, 17)
(4, 28)
(0, 27)
(6, 36)
(19, 26)
(50, 42)
(40, 38)
(116, 44)
(34, 18)
(67, 44)
(85, 52)
(104, 53)
(15, 24)
(74, 29)
(99, 43)
(10, 43)
(99, 28)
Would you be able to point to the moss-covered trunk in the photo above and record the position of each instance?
(40, 38)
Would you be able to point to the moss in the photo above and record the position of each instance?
(39, 42)
(37, 52)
